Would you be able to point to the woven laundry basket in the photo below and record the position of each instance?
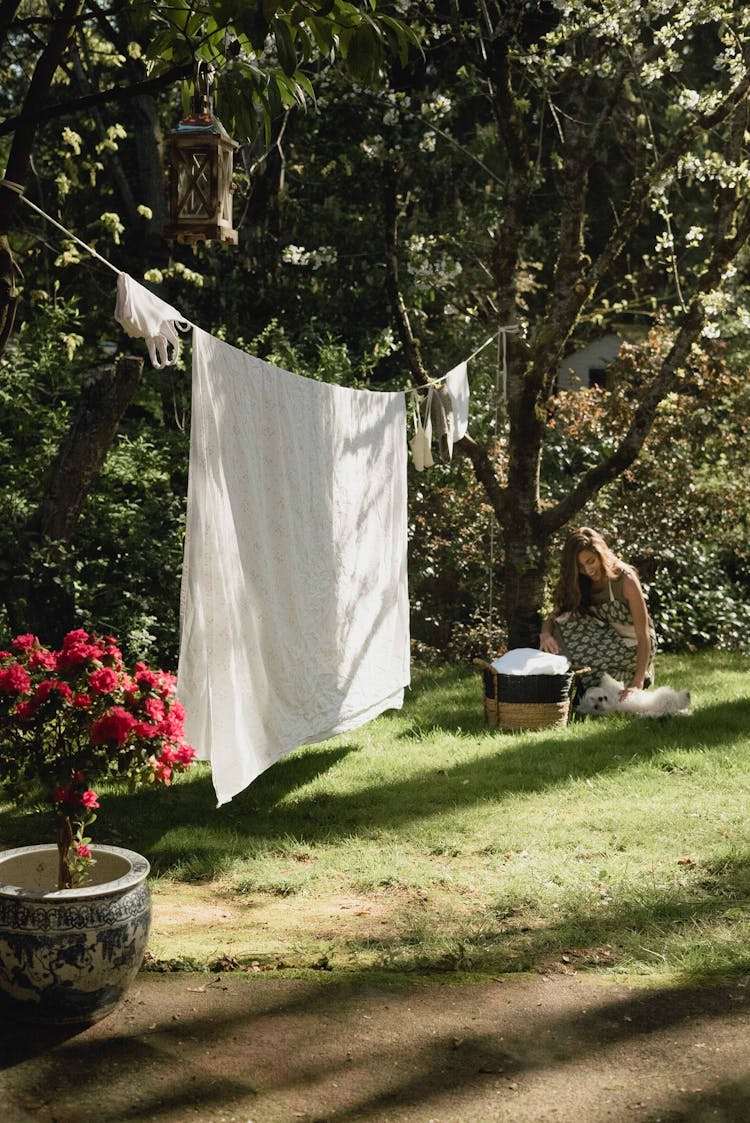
(517, 702)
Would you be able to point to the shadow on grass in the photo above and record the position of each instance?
(599, 934)
(190, 801)
(268, 813)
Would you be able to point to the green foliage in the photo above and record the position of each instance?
(130, 542)
(122, 571)
(266, 55)
(306, 286)
(695, 602)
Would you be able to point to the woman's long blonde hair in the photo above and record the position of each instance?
(573, 589)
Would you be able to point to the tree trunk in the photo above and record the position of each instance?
(83, 452)
(8, 294)
(34, 592)
(525, 542)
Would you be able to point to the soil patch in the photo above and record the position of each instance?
(260, 1048)
(202, 923)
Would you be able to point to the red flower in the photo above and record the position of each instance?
(25, 642)
(26, 710)
(103, 681)
(49, 685)
(77, 649)
(185, 755)
(154, 707)
(78, 635)
(90, 799)
(68, 797)
(45, 659)
(143, 729)
(162, 771)
(167, 755)
(81, 701)
(114, 726)
(171, 726)
(15, 680)
(146, 678)
(82, 850)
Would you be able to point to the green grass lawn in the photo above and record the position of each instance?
(425, 841)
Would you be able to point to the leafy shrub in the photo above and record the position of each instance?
(695, 603)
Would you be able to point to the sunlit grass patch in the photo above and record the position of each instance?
(426, 841)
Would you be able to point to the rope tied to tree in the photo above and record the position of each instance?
(501, 373)
(18, 190)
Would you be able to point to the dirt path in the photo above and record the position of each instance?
(234, 1048)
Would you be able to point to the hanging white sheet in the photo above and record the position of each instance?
(295, 620)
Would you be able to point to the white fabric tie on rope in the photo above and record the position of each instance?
(504, 332)
(421, 442)
(143, 315)
(457, 385)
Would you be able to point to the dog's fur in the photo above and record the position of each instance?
(605, 699)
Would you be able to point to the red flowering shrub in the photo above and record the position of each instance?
(73, 718)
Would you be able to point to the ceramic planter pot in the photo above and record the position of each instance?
(67, 956)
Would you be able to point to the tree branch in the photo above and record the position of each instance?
(484, 472)
(27, 122)
(508, 238)
(632, 442)
(468, 447)
(8, 9)
(564, 312)
(114, 93)
(409, 342)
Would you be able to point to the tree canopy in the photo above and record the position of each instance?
(567, 169)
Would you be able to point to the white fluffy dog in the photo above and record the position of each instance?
(605, 699)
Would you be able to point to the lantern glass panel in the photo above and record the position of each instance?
(225, 184)
(194, 184)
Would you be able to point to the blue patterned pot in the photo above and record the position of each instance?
(67, 956)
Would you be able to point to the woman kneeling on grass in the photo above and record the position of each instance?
(600, 619)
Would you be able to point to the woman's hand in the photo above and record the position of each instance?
(628, 690)
(549, 644)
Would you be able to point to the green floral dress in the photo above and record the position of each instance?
(604, 637)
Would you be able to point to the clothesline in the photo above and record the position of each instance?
(436, 381)
(17, 189)
(184, 324)
(247, 704)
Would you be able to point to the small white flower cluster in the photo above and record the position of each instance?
(298, 255)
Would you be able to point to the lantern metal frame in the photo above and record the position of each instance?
(200, 171)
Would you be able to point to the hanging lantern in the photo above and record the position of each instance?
(200, 172)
